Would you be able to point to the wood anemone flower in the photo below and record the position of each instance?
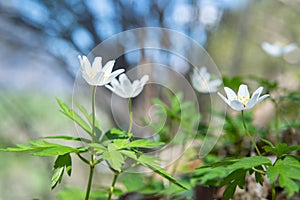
(125, 89)
(95, 74)
(241, 100)
(202, 82)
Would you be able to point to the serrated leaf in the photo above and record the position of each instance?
(290, 186)
(64, 137)
(151, 163)
(229, 191)
(234, 179)
(71, 114)
(56, 177)
(98, 148)
(120, 143)
(115, 158)
(83, 111)
(115, 133)
(280, 149)
(287, 171)
(64, 161)
(209, 175)
(144, 143)
(43, 148)
(61, 163)
(249, 162)
(58, 150)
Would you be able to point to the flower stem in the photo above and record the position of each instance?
(93, 112)
(112, 188)
(130, 115)
(89, 185)
(273, 191)
(249, 135)
(91, 163)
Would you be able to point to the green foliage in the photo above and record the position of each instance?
(232, 172)
(287, 172)
(61, 163)
(152, 163)
(115, 158)
(43, 148)
(281, 149)
(72, 193)
(70, 113)
(178, 112)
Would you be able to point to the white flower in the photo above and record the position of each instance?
(96, 75)
(278, 49)
(202, 82)
(124, 88)
(242, 100)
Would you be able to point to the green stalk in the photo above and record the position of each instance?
(273, 191)
(89, 185)
(93, 112)
(249, 135)
(112, 188)
(130, 116)
(91, 163)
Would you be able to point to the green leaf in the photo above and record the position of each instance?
(115, 158)
(144, 143)
(210, 175)
(133, 182)
(249, 162)
(115, 133)
(287, 171)
(280, 149)
(56, 177)
(234, 179)
(98, 148)
(43, 148)
(59, 150)
(61, 163)
(151, 163)
(74, 117)
(64, 137)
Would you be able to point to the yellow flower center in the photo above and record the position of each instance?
(243, 99)
(92, 74)
(105, 77)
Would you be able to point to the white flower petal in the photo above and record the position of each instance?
(272, 49)
(204, 74)
(214, 84)
(135, 84)
(224, 99)
(97, 64)
(137, 91)
(230, 93)
(236, 105)
(262, 98)
(144, 79)
(289, 48)
(125, 83)
(113, 75)
(108, 67)
(243, 91)
(110, 88)
(257, 91)
(86, 64)
(117, 72)
(253, 101)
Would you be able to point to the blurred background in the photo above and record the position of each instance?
(40, 41)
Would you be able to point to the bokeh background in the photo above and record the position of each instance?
(40, 41)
